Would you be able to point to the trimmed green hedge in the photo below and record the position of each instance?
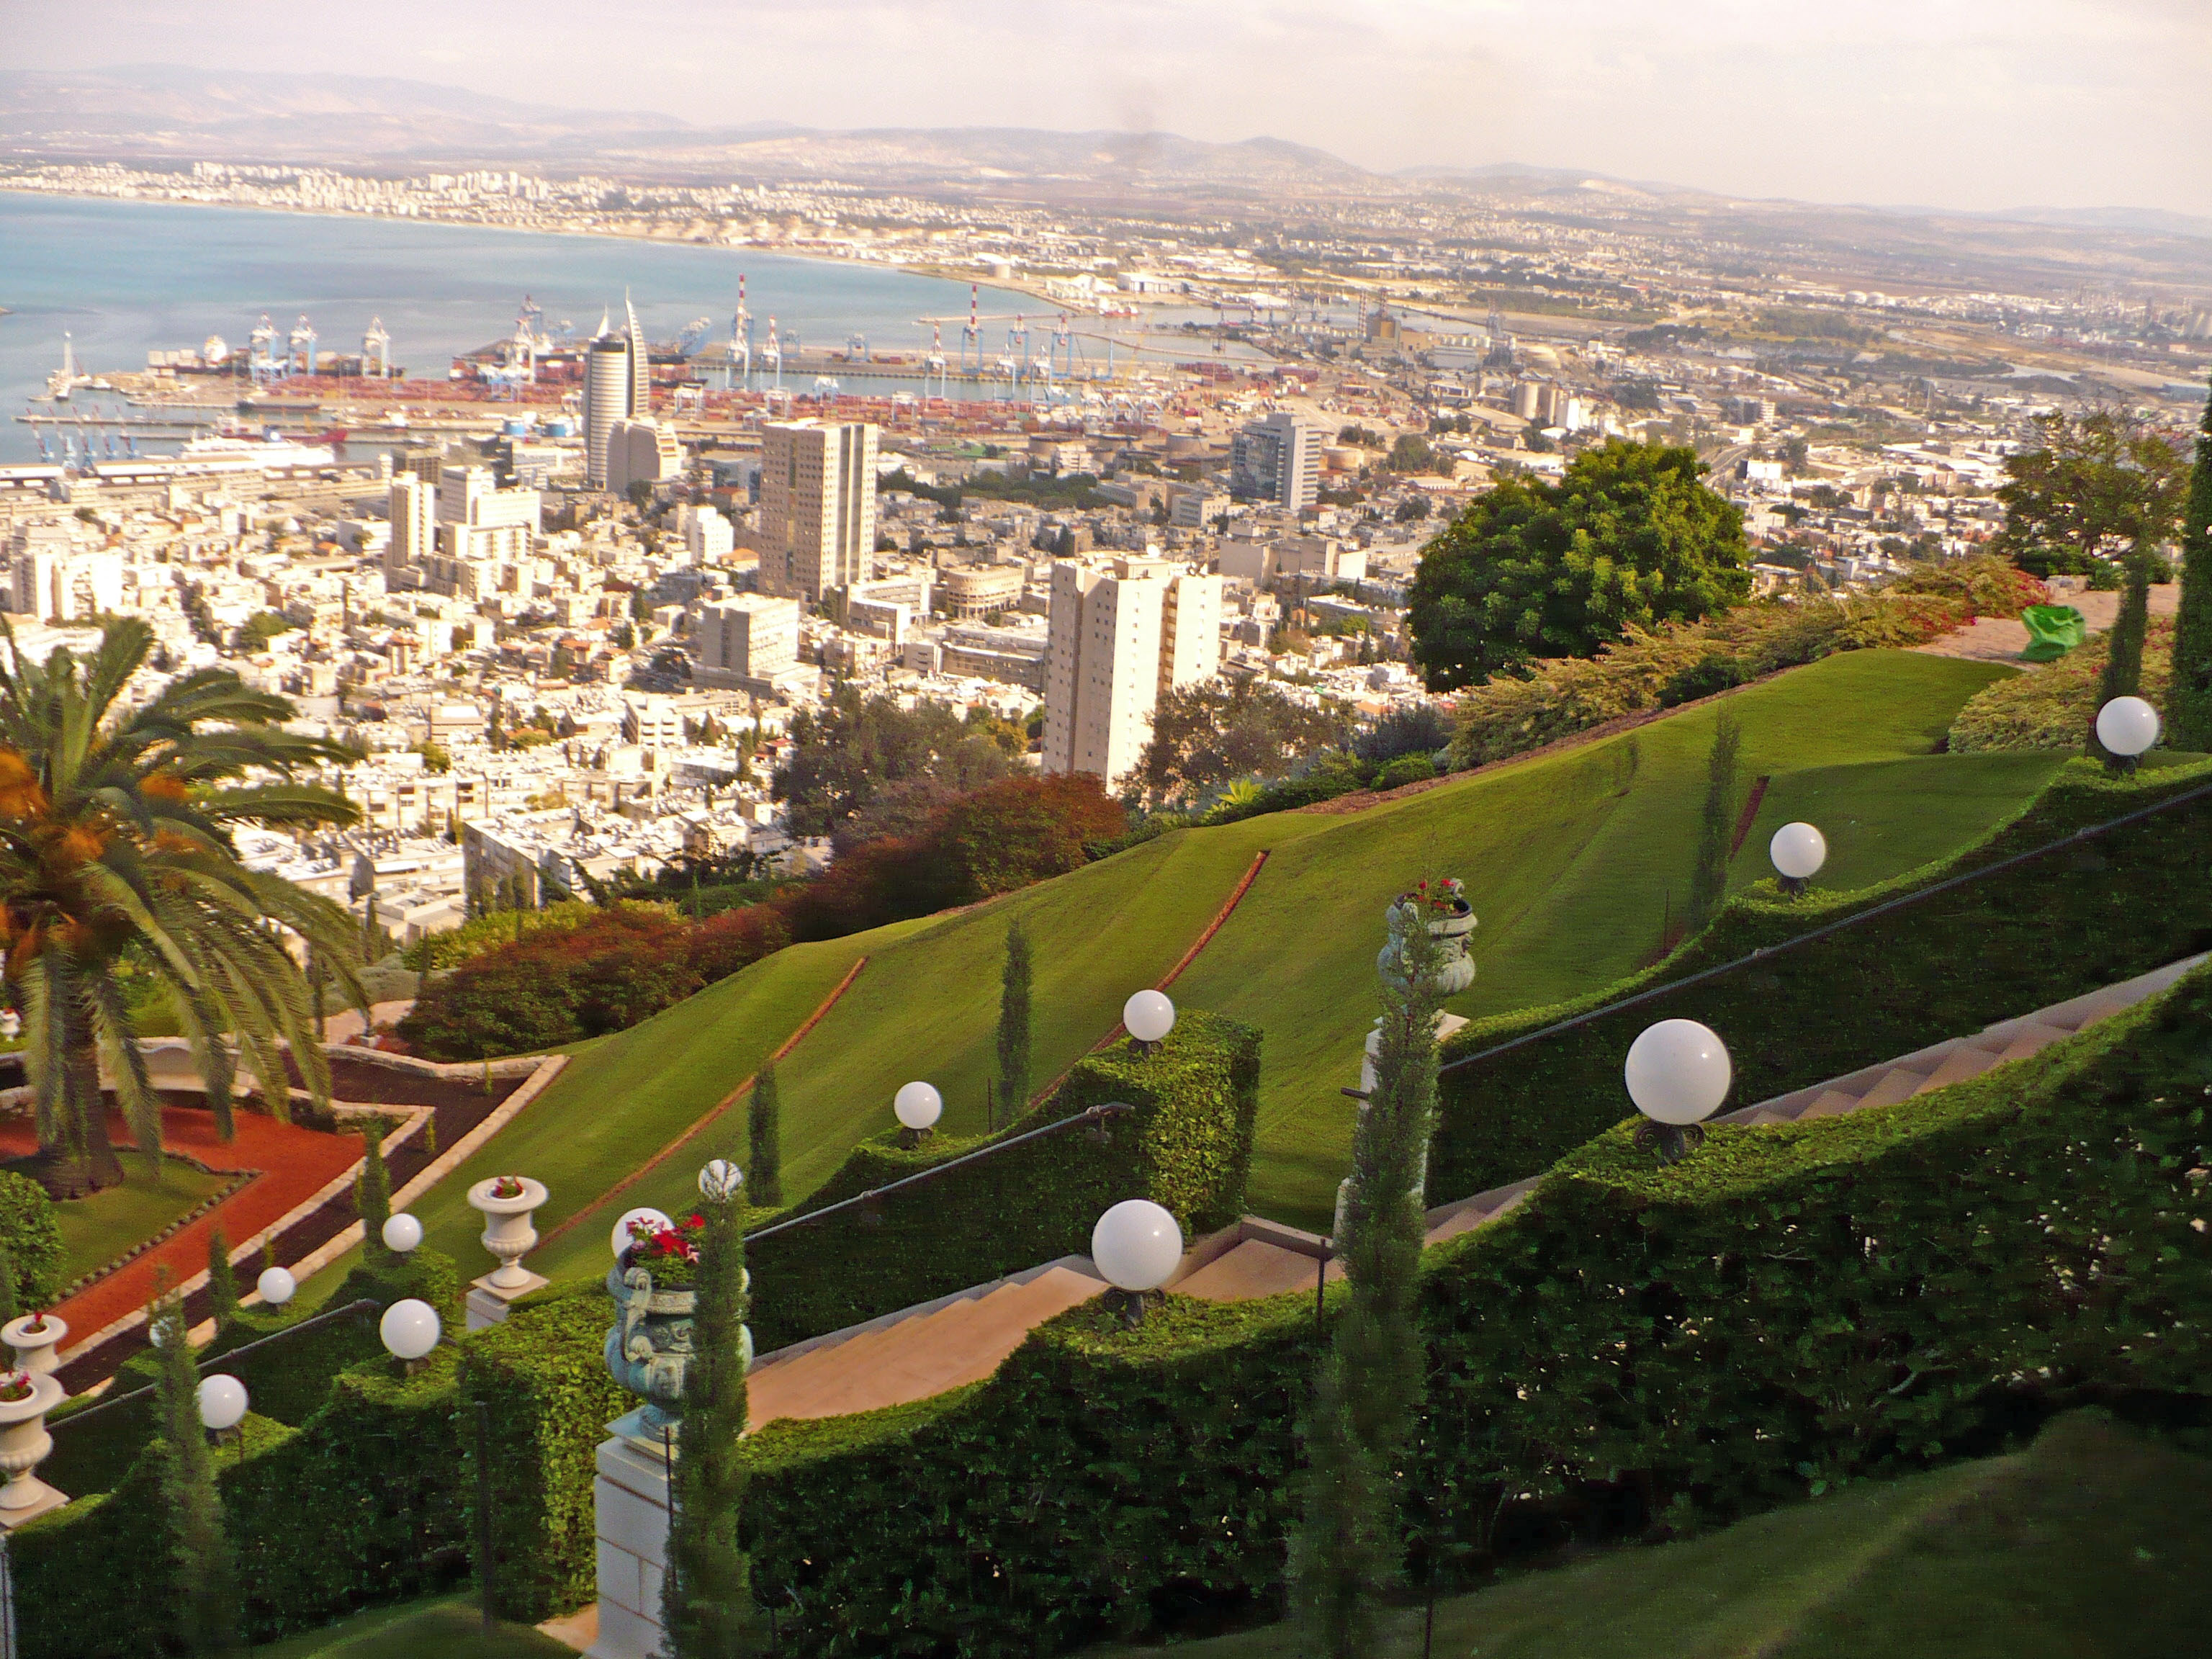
(544, 1381)
(2051, 929)
(33, 1239)
(287, 1382)
(1188, 1145)
(1792, 1307)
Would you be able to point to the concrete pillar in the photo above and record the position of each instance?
(630, 1499)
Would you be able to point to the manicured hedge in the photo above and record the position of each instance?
(1188, 1145)
(544, 1381)
(2048, 930)
(33, 1239)
(1793, 1308)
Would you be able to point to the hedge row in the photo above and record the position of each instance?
(370, 1500)
(2048, 930)
(32, 1239)
(1188, 1145)
(1793, 1308)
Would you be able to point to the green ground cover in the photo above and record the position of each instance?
(153, 1193)
(2090, 1542)
(1573, 862)
(444, 1627)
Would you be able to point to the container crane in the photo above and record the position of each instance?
(376, 344)
(856, 348)
(772, 358)
(301, 341)
(741, 341)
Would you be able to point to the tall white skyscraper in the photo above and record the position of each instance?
(607, 392)
(817, 506)
(1277, 459)
(1115, 642)
(640, 366)
(412, 505)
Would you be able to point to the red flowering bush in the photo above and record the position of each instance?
(670, 1254)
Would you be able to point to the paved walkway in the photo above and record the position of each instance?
(295, 1164)
(2002, 639)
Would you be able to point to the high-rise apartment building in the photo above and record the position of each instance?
(641, 451)
(1277, 459)
(412, 505)
(750, 641)
(1115, 641)
(818, 514)
(477, 519)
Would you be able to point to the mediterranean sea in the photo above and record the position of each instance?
(123, 278)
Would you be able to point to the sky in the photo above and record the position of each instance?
(1977, 103)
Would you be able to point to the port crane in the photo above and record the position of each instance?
(741, 341)
(301, 341)
(376, 344)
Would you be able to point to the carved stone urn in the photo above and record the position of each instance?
(508, 1232)
(37, 1340)
(1450, 919)
(24, 1444)
(649, 1349)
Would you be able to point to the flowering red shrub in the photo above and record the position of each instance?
(626, 964)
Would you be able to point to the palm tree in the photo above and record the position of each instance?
(115, 847)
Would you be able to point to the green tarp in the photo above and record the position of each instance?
(2053, 631)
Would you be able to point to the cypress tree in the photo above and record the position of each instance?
(372, 1188)
(1014, 1022)
(1347, 1554)
(706, 1598)
(2124, 647)
(207, 1574)
(9, 1308)
(2189, 702)
(1709, 880)
(223, 1284)
(765, 1124)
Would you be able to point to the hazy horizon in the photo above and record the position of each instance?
(1973, 105)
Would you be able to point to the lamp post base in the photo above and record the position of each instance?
(1672, 1141)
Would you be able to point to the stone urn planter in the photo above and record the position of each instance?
(24, 1444)
(649, 1349)
(508, 1232)
(37, 1340)
(1450, 919)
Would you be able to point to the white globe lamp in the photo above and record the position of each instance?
(409, 1329)
(720, 1181)
(620, 1239)
(1798, 851)
(222, 1402)
(917, 1106)
(401, 1233)
(2127, 726)
(1678, 1074)
(1148, 1016)
(1136, 1246)
(276, 1285)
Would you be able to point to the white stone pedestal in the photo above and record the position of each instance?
(24, 1444)
(630, 1498)
(488, 1301)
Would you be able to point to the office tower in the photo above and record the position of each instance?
(1115, 641)
(607, 390)
(412, 507)
(750, 641)
(818, 507)
(1277, 459)
(642, 452)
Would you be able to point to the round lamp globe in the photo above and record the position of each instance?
(1148, 1016)
(276, 1287)
(1677, 1072)
(2127, 726)
(409, 1329)
(720, 1181)
(619, 1240)
(1798, 851)
(917, 1105)
(402, 1233)
(222, 1402)
(1136, 1245)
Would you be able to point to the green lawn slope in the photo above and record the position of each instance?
(2089, 1544)
(1573, 860)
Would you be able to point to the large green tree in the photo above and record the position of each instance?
(115, 845)
(1629, 538)
(2189, 702)
(2093, 486)
(1206, 736)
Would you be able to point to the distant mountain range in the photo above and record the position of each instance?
(153, 112)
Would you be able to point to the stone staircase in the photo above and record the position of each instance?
(1959, 1057)
(957, 1339)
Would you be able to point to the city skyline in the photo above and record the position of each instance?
(1960, 103)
